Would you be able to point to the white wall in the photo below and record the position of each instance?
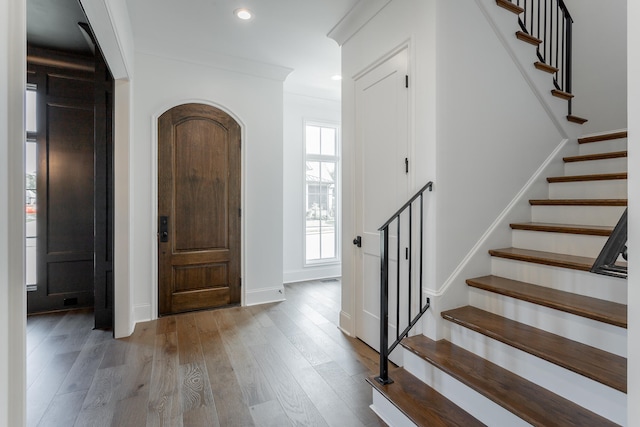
(401, 22)
(600, 63)
(123, 319)
(297, 109)
(12, 292)
(493, 133)
(256, 103)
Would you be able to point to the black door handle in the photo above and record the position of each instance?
(164, 228)
(358, 241)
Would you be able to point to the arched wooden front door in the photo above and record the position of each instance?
(198, 209)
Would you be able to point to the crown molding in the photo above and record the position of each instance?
(110, 23)
(361, 13)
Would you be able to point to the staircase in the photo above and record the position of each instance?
(542, 341)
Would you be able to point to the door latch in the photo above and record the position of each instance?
(164, 228)
(358, 241)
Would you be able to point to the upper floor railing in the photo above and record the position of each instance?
(550, 22)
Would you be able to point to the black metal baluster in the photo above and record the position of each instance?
(398, 283)
(546, 38)
(384, 307)
(568, 55)
(551, 36)
(421, 245)
(557, 42)
(563, 55)
(410, 256)
(538, 35)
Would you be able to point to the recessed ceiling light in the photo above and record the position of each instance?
(243, 13)
(336, 77)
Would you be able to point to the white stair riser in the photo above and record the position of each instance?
(564, 243)
(468, 399)
(605, 189)
(612, 339)
(598, 398)
(564, 279)
(388, 412)
(580, 215)
(596, 166)
(603, 146)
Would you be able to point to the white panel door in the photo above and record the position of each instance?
(381, 182)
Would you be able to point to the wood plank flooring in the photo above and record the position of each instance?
(280, 364)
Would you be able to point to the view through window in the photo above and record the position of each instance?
(30, 185)
(321, 198)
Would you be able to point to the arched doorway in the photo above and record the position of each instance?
(199, 199)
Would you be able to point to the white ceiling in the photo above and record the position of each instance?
(283, 33)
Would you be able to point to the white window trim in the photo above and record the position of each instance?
(318, 157)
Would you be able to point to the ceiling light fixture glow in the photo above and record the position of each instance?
(336, 77)
(243, 13)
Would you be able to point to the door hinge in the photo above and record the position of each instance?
(406, 253)
(239, 211)
(406, 165)
(240, 282)
(406, 81)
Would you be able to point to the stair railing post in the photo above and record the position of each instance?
(384, 307)
(569, 64)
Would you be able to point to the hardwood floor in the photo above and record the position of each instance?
(281, 364)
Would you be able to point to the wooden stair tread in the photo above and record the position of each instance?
(598, 365)
(422, 404)
(576, 119)
(546, 258)
(578, 202)
(580, 305)
(521, 35)
(593, 177)
(591, 230)
(523, 398)
(545, 67)
(603, 137)
(561, 94)
(510, 6)
(598, 156)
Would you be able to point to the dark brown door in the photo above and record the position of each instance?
(65, 183)
(103, 196)
(198, 208)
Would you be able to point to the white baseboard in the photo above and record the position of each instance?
(346, 324)
(312, 273)
(264, 296)
(142, 313)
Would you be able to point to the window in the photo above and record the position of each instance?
(30, 184)
(321, 193)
